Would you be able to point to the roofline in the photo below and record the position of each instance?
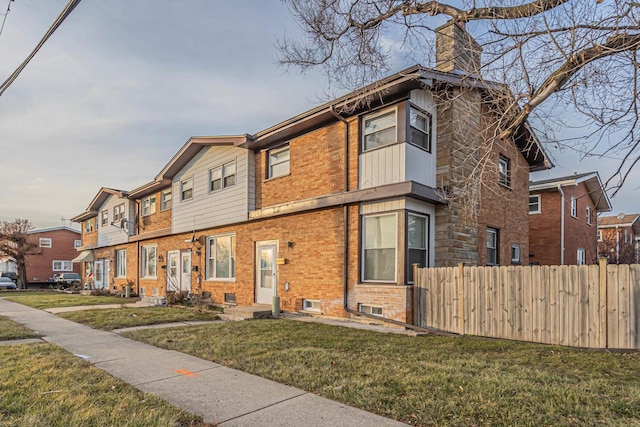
(46, 230)
(567, 181)
(84, 216)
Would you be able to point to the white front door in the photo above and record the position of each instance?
(265, 273)
(98, 276)
(185, 280)
(107, 267)
(173, 280)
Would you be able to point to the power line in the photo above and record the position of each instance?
(5, 16)
(63, 15)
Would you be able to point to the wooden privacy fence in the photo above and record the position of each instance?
(593, 306)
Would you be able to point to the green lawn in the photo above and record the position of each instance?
(44, 299)
(42, 385)
(114, 318)
(425, 380)
(10, 330)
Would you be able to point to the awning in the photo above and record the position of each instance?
(85, 256)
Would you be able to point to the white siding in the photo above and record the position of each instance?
(112, 234)
(382, 166)
(211, 209)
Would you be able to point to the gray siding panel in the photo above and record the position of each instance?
(113, 234)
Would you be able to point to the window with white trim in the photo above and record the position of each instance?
(62, 265)
(278, 161)
(88, 226)
(534, 204)
(370, 309)
(380, 247)
(165, 200)
(574, 207)
(186, 189)
(149, 255)
(589, 215)
(419, 128)
(504, 170)
(77, 243)
(492, 246)
(599, 235)
(417, 226)
(581, 256)
(118, 214)
(105, 218)
(379, 129)
(222, 176)
(149, 205)
(44, 242)
(221, 257)
(515, 253)
(311, 305)
(121, 263)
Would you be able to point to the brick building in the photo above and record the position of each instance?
(619, 238)
(57, 247)
(563, 219)
(329, 209)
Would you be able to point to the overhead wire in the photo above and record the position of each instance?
(5, 16)
(61, 17)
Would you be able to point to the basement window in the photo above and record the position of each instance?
(370, 309)
(311, 305)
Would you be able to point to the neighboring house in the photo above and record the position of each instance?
(619, 238)
(563, 216)
(57, 248)
(331, 209)
(8, 265)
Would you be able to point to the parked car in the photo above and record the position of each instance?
(11, 275)
(6, 283)
(65, 280)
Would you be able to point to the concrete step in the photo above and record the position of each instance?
(256, 311)
(161, 301)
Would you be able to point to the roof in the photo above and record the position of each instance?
(620, 220)
(48, 230)
(103, 195)
(591, 180)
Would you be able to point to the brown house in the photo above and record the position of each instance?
(619, 238)
(330, 209)
(58, 249)
(563, 216)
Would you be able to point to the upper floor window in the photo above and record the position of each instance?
(588, 215)
(88, 226)
(534, 204)
(504, 170)
(44, 242)
(574, 207)
(492, 246)
(149, 205)
(278, 161)
(77, 243)
(379, 129)
(599, 235)
(186, 189)
(379, 246)
(118, 213)
(105, 218)
(222, 176)
(165, 200)
(420, 128)
(62, 266)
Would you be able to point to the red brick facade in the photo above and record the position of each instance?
(40, 268)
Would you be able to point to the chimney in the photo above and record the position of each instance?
(456, 51)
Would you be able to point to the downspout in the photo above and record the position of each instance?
(345, 265)
(561, 225)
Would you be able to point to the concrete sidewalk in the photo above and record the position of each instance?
(218, 394)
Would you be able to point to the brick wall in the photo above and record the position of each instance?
(91, 238)
(157, 221)
(544, 230)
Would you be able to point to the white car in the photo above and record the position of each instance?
(6, 283)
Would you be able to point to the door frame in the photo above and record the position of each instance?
(264, 244)
(98, 265)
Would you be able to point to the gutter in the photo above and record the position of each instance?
(561, 225)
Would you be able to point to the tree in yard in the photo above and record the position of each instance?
(555, 56)
(15, 242)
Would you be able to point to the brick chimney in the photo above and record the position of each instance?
(456, 51)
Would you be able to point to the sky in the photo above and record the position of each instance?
(122, 85)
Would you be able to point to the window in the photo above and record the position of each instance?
(504, 170)
(311, 305)
(278, 159)
(581, 256)
(599, 235)
(370, 309)
(416, 243)
(165, 200)
(149, 206)
(77, 243)
(574, 207)
(186, 189)
(222, 176)
(379, 129)
(515, 253)
(588, 215)
(44, 242)
(379, 234)
(62, 266)
(534, 204)
(149, 261)
(221, 257)
(492, 246)
(420, 128)
(121, 263)
(626, 236)
(105, 218)
(88, 226)
(118, 214)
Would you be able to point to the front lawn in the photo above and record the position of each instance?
(425, 380)
(115, 318)
(10, 330)
(44, 299)
(42, 385)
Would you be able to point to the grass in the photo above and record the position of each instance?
(425, 380)
(44, 299)
(10, 330)
(109, 319)
(42, 385)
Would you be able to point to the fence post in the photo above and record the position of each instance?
(416, 295)
(461, 297)
(604, 305)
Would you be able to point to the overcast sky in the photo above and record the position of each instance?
(122, 85)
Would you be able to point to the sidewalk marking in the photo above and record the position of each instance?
(186, 373)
